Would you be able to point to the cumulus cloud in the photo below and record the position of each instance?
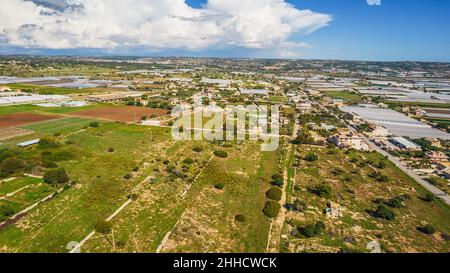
(154, 24)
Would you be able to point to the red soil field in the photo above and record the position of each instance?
(18, 119)
(121, 113)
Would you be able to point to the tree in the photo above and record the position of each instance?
(312, 230)
(394, 203)
(277, 180)
(6, 211)
(271, 209)
(188, 161)
(56, 176)
(274, 194)
(12, 165)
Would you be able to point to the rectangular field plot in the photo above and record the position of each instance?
(64, 125)
(18, 119)
(18, 194)
(121, 113)
(12, 132)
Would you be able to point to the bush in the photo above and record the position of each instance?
(299, 205)
(128, 176)
(384, 212)
(271, 209)
(48, 142)
(6, 211)
(136, 169)
(221, 154)
(240, 218)
(94, 124)
(197, 149)
(381, 165)
(274, 194)
(103, 227)
(324, 190)
(427, 229)
(110, 150)
(394, 203)
(56, 176)
(312, 230)
(12, 165)
(311, 157)
(429, 197)
(277, 180)
(188, 161)
(219, 186)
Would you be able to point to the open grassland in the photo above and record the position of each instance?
(143, 224)
(50, 90)
(22, 192)
(60, 126)
(209, 224)
(100, 187)
(352, 187)
(349, 97)
(5, 110)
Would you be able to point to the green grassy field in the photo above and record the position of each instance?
(62, 126)
(356, 192)
(349, 97)
(49, 90)
(5, 110)
(100, 186)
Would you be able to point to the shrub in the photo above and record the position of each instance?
(311, 157)
(429, 197)
(299, 205)
(219, 186)
(56, 176)
(274, 194)
(103, 227)
(427, 229)
(94, 124)
(324, 190)
(271, 209)
(394, 203)
(221, 154)
(48, 142)
(354, 160)
(384, 212)
(188, 161)
(240, 218)
(110, 150)
(312, 230)
(6, 211)
(136, 169)
(381, 165)
(166, 162)
(197, 149)
(12, 165)
(128, 176)
(277, 180)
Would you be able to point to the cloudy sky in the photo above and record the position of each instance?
(349, 29)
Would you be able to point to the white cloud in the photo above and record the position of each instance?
(154, 24)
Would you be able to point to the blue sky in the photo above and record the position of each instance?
(396, 30)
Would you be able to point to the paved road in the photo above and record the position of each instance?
(434, 190)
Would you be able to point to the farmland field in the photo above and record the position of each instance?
(62, 125)
(22, 119)
(120, 113)
(13, 132)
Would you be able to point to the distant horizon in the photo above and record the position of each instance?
(358, 30)
(105, 56)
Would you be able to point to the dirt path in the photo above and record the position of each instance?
(273, 244)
